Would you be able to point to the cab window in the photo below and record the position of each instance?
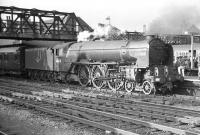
(57, 52)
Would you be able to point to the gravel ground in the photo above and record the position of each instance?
(24, 122)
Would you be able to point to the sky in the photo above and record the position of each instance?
(128, 15)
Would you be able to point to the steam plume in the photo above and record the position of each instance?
(105, 31)
(176, 20)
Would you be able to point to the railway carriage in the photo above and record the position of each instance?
(184, 51)
(12, 60)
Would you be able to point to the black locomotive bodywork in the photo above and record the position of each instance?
(130, 65)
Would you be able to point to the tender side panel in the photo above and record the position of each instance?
(39, 58)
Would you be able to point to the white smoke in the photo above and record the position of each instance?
(84, 36)
(101, 31)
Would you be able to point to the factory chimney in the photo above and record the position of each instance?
(144, 28)
(108, 19)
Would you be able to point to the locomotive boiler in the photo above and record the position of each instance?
(141, 53)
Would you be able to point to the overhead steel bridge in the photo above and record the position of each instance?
(34, 24)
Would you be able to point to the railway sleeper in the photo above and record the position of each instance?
(132, 120)
(191, 120)
(135, 112)
(148, 124)
(194, 121)
(81, 120)
(143, 108)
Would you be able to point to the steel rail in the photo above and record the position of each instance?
(3, 133)
(122, 111)
(178, 118)
(137, 121)
(143, 106)
(148, 104)
(67, 116)
(135, 112)
(128, 119)
(116, 116)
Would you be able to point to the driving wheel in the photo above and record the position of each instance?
(83, 75)
(98, 76)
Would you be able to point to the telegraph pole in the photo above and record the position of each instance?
(191, 48)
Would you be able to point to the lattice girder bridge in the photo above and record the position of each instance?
(34, 24)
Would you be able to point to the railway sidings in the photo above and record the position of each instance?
(102, 111)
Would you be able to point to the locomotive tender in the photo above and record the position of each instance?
(129, 65)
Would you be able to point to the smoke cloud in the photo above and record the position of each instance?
(176, 20)
(102, 31)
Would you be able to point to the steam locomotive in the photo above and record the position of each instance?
(129, 65)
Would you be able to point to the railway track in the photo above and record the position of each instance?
(139, 113)
(82, 115)
(8, 131)
(99, 119)
(73, 89)
(57, 92)
(169, 100)
(3, 132)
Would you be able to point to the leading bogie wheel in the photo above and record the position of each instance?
(129, 85)
(148, 87)
(83, 75)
